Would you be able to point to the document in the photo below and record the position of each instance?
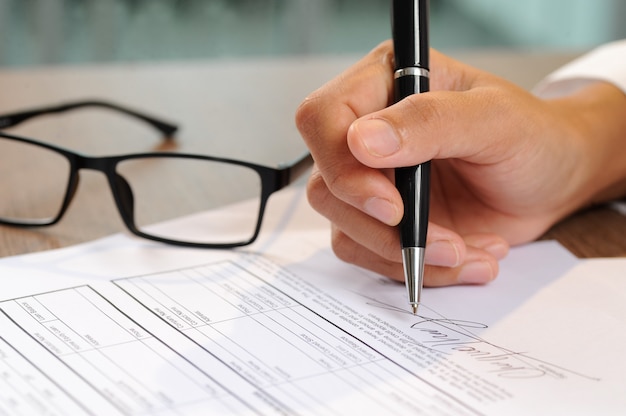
(122, 326)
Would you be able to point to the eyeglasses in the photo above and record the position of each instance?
(142, 184)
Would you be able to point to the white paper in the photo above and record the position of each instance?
(125, 326)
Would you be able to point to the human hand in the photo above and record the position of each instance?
(506, 164)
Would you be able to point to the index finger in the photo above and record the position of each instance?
(325, 116)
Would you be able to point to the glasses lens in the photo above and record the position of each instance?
(220, 201)
(33, 182)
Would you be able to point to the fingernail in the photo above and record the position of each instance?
(381, 209)
(477, 272)
(378, 137)
(442, 253)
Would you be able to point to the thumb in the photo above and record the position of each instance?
(478, 126)
(473, 122)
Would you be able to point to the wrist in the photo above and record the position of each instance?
(598, 114)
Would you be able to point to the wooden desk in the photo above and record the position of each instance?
(240, 108)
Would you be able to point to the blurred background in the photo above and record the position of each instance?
(52, 32)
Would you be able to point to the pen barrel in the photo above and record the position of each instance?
(413, 181)
(413, 185)
(409, 22)
(406, 85)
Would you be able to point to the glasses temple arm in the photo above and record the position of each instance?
(13, 119)
(292, 172)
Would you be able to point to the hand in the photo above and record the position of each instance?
(506, 164)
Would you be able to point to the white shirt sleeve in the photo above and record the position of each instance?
(605, 63)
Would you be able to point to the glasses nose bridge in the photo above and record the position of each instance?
(121, 190)
(96, 163)
(102, 164)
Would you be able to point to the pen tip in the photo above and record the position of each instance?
(414, 309)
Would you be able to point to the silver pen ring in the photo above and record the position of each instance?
(412, 71)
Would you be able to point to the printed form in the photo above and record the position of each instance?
(121, 326)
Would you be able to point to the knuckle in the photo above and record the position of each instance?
(388, 244)
(428, 115)
(343, 247)
(308, 116)
(317, 192)
(335, 182)
(428, 111)
(383, 54)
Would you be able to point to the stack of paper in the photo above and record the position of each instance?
(125, 326)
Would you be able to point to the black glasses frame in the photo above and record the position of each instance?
(272, 179)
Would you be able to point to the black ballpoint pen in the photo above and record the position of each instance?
(409, 21)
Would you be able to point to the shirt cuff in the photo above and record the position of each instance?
(605, 63)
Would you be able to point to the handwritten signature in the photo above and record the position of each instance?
(456, 336)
